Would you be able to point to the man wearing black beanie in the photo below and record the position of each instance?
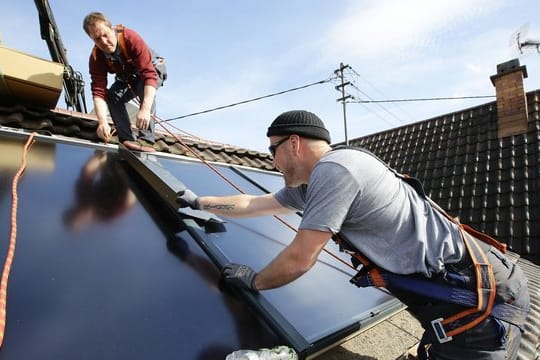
(303, 123)
(373, 211)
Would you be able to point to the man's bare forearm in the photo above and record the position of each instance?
(241, 205)
(234, 206)
(101, 109)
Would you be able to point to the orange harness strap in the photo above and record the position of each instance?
(485, 280)
(122, 43)
(446, 328)
(486, 291)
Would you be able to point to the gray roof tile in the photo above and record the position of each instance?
(490, 183)
(83, 126)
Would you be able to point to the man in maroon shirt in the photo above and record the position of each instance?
(123, 52)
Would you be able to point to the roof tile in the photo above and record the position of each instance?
(490, 183)
(83, 126)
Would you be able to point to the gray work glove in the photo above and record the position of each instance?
(239, 275)
(188, 199)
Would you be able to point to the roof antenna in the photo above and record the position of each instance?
(519, 41)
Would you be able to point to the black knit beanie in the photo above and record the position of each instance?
(300, 122)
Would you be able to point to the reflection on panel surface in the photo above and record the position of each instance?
(100, 271)
(110, 285)
(307, 303)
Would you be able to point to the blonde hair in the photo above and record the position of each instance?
(92, 18)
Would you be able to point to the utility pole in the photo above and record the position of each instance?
(343, 98)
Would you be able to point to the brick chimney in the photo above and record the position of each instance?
(511, 100)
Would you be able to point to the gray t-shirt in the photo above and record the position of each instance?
(352, 192)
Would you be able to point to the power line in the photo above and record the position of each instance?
(423, 99)
(351, 82)
(377, 114)
(331, 78)
(357, 99)
(364, 80)
(334, 77)
(382, 107)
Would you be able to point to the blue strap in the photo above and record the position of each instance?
(447, 293)
(421, 286)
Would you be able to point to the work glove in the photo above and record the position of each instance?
(188, 199)
(239, 275)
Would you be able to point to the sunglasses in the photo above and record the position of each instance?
(273, 147)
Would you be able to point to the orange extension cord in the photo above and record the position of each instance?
(12, 239)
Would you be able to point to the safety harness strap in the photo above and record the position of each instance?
(444, 329)
(122, 43)
(486, 291)
(481, 303)
(436, 290)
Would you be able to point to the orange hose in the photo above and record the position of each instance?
(12, 239)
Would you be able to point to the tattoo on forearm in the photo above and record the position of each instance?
(224, 207)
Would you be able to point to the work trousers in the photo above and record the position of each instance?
(492, 338)
(118, 95)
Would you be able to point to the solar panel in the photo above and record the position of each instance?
(303, 311)
(105, 269)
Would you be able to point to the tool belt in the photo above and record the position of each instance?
(479, 303)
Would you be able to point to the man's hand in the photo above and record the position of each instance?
(239, 275)
(143, 119)
(104, 131)
(188, 199)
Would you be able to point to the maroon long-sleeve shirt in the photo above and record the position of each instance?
(141, 63)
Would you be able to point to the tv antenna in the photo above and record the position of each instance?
(519, 40)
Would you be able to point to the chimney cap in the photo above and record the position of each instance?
(508, 68)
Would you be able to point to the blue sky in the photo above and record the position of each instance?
(222, 52)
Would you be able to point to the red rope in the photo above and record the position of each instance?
(12, 239)
(230, 182)
(215, 170)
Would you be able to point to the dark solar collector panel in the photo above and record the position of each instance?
(302, 311)
(103, 269)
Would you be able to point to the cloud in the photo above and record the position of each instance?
(404, 49)
(385, 28)
(388, 37)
